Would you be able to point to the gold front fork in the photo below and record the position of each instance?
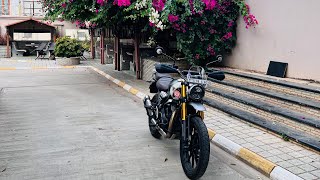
(184, 105)
(201, 114)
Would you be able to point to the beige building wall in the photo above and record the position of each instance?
(288, 31)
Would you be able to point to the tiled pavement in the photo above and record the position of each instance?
(299, 160)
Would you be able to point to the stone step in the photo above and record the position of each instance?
(267, 99)
(312, 103)
(299, 117)
(273, 81)
(274, 87)
(262, 119)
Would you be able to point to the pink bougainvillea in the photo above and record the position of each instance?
(227, 36)
(173, 18)
(158, 4)
(210, 4)
(64, 5)
(249, 19)
(122, 3)
(100, 2)
(211, 50)
(230, 24)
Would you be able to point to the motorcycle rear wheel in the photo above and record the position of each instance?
(195, 157)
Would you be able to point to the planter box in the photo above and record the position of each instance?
(68, 61)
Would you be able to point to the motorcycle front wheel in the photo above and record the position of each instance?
(195, 152)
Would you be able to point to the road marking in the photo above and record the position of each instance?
(226, 144)
(279, 173)
(256, 161)
(121, 84)
(133, 91)
(7, 68)
(211, 133)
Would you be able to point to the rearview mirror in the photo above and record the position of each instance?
(219, 58)
(159, 50)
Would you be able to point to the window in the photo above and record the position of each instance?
(32, 8)
(27, 35)
(4, 7)
(31, 36)
(81, 35)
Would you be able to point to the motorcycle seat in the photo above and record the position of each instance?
(163, 83)
(161, 75)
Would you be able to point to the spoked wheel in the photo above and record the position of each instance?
(195, 152)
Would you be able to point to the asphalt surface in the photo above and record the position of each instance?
(74, 124)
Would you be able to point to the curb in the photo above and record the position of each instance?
(256, 161)
(251, 158)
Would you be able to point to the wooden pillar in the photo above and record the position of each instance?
(8, 45)
(93, 53)
(117, 53)
(9, 7)
(2, 7)
(137, 56)
(102, 47)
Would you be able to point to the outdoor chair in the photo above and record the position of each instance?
(42, 50)
(16, 51)
(82, 56)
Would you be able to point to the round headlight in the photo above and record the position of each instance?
(196, 93)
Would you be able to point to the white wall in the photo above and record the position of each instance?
(288, 31)
(74, 33)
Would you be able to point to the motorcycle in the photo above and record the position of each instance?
(176, 111)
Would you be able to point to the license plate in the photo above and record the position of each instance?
(197, 81)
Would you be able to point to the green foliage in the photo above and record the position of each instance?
(85, 45)
(202, 34)
(285, 137)
(67, 47)
(201, 31)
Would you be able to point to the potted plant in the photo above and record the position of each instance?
(67, 51)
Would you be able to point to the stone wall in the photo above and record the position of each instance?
(149, 63)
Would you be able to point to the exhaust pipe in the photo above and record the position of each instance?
(158, 128)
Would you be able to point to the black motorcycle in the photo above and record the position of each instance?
(176, 111)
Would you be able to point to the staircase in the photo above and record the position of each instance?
(289, 109)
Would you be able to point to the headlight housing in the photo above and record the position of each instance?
(196, 93)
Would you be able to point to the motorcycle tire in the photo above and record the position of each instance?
(198, 149)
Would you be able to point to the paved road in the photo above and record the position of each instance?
(74, 124)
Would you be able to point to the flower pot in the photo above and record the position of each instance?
(67, 61)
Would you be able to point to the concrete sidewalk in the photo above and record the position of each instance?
(263, 147)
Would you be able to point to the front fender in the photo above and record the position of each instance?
(197, 106)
